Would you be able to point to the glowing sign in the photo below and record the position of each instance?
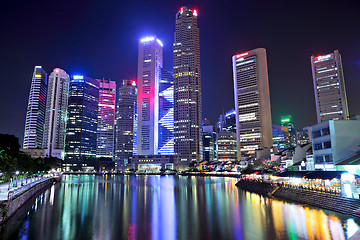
(323, 58)
(242, 55)
(195, 12)
(181, 10)
(78, 77)
(133, 83)
(37, 66)
(285, 120)
(147, 39)
(38, 75)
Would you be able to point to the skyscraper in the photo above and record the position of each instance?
(56, 113)
(106, 119)
(35, 114)
(80, 141)
(287, 121)
(329, 87)
(252, 102)
(226, 146)
(187, 87)
(281, 137)
(150, 62)
(227, 121)
(125, 113)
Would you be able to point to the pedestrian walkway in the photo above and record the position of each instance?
(8, 191)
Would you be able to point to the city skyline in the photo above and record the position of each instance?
(301, 105)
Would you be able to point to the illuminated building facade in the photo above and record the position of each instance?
(227, 121)
(155, 112)
(150, 62)
(80, 141)
(329, 87)
(226, 146)
(56, 113)
(252, 102)
(281, 137)
(303, 136)
(209, 143)
(35, 114)
(187, 88)
(287, 121)
(106, 119)
(125, 114)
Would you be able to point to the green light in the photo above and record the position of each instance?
(284, 120)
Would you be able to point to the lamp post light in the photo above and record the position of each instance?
(17, 173)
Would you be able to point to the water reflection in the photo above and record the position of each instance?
(171, 207)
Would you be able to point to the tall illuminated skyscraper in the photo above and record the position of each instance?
(56, 113)
(35, 114)
(125, 114)
(81, 129)
(252, 102)
(187, 87)
(150, 62)
(329, 87)
(287, 121)
(106, 119)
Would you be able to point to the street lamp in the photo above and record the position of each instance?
(17, 173)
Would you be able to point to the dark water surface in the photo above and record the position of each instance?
(168, 207)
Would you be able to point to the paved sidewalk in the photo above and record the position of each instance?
(22, 186)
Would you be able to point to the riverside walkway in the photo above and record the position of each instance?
(8, 191)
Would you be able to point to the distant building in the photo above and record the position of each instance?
(252, 102)
(209, 143)
(287, 121)
(281, 137)
(333, 141)
(35, 114)
(226, 146)
(81, 130)
(329, 87)
(227, 121)
(56, 113)
(34, 152)
(303, 136)
(106, 119)
(187, 88)
(152, 163)
(125, 114)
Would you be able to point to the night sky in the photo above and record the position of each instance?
(100, 39)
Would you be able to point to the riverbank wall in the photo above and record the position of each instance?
(9, 207)
(348, 206)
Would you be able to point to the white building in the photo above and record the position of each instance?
(56, 113)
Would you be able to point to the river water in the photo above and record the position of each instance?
(168, 207)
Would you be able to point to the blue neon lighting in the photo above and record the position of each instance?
(78, 77)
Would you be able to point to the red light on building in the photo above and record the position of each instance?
(195, 13)
(133, 83)
(181, 10)
(242, 55)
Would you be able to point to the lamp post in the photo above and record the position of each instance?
(17, 173)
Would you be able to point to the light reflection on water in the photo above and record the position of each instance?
(171, 207)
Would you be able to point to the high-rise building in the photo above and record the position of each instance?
(125, 114)
(106, 119)
(150, 62)
(252, 102)
(329, 87)
(209, 143)
(227, 121)
(226, 146)
(56, 113)
(35, 114)
(166, 113)
(287, 121)
(187, 87)
(281, 137)
(81, 129)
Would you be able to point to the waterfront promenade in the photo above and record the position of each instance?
(8, 191)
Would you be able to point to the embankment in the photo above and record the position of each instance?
(10, 207)
(348, 206)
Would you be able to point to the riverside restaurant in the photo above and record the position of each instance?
(340, 183)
